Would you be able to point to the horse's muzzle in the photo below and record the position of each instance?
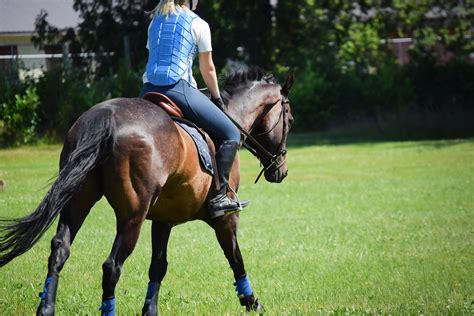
(276, 175)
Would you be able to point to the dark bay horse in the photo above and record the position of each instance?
(131, 152)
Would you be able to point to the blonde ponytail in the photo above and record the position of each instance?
(167, 7)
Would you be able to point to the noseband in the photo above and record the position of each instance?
(257, 149)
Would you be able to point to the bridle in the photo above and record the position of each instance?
(257, 149)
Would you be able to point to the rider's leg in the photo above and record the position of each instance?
(221, 203)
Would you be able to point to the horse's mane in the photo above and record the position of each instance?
(240, 78)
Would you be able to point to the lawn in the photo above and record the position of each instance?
(385, 227)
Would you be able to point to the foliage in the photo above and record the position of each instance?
(318, 99)
(314, 108)
(443, 87)
(45, 33)
(251, 39)
(105, 26)
(370, 228)
(123, 83)
(435, 23)
(78, 92)
(345, 70)
(19, 118)
(9, 88)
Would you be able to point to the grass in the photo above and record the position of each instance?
(373, 228)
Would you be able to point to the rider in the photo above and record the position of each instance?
(174, 35)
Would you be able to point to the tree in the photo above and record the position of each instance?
(241, 30)
(432, 23)
(105, 26)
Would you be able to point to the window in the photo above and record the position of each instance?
(56, 61)
(8, 59)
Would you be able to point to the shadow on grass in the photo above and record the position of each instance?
(336, 138)
(434, 128)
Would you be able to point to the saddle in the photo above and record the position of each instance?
(165, 103)
(204, 144)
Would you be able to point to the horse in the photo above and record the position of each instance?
(131, 151)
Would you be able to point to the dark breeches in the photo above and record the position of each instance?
(197, 108)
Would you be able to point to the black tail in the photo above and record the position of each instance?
(94, 134)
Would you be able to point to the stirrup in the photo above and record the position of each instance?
(224, 211)
(241, 204)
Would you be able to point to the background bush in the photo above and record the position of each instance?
(416, 101)
(19, 118)
(346, 76)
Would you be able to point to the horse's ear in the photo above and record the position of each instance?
(289, 83)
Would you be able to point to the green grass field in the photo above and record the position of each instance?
(355, 228)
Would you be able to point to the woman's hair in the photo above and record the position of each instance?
(167, 7)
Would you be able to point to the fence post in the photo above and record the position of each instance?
(65, 52)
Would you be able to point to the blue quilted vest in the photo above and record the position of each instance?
(171, 48)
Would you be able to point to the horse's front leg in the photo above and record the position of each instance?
(226, 232)
(160, 233)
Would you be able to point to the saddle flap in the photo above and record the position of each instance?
(204, 144)
(164, 102)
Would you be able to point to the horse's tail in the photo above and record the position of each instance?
(93, 137)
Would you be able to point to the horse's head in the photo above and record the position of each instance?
(272, 133)
(263, 108)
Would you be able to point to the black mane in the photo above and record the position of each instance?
(241, 78)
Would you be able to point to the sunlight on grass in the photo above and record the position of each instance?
(355, 228)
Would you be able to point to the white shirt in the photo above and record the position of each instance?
(201, 33)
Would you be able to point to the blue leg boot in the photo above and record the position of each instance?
(150, 308)
(108, 307)
(246, 297)
(48, 296)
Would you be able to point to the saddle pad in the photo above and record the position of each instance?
(201, 145)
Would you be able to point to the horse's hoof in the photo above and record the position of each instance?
(150, 310)
(256, 307)
(252, 305)
(45, 310)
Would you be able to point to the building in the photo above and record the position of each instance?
(17, 25)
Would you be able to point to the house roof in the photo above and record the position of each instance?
(18, 16)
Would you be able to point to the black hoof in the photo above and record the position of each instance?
(252, 304)
(256, 307)
(150, 310)
(45, 310)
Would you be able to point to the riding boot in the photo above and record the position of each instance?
(221, 204)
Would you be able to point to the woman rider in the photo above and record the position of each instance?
(173, 36)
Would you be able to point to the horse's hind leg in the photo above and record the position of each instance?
(160, 233)
(70, 221)
(128, 230)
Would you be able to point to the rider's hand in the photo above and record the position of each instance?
(218, 102)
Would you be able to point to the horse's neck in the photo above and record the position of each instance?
(246, 108)
(242, 113)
